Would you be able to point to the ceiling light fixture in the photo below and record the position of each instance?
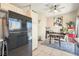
(55, 11)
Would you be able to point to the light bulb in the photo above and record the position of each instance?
(55, 11)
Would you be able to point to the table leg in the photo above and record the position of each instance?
(59, 42)
(75, 48)
(50, 40)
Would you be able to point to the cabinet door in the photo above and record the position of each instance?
(12, 41)
(21, 40)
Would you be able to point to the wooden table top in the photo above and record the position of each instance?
(57, 33)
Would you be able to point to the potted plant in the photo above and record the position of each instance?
(71, 31)
(71, 25)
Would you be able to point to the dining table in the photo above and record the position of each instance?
(56, 36)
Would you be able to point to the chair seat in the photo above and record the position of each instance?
(72, 41)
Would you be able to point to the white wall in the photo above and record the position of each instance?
(34, 30)
(49, 22)
(42, 26)
(38, 29)
(78, 12)
(71, 16)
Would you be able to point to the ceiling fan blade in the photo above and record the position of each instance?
(52, 10)
(47, 5)
(58, 10)
(50, 6)
(61, 8)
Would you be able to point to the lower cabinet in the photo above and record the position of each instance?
(17, 40)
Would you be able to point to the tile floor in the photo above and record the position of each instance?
(44, 50)
(25, 50)
(65, 46)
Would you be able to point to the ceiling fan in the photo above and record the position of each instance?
(54, 7)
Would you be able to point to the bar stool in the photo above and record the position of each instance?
(1, 46)
(4, 49)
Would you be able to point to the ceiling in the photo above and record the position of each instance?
(42, 8)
